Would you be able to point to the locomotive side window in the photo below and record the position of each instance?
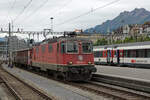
(50, 48)
(43, 48)
(72, 47)
(37, 50)
(87, 47)
(63, 47)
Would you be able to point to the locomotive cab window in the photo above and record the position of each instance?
(87, 47)
(72, 47)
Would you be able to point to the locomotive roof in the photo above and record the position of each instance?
(124, 45)
(73, 39)
(56, 39)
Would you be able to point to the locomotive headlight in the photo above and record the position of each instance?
(70, 63)
(89, 62)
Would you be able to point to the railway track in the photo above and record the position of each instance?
(19, 89)
(10, 92)
(110, 91)
(123, 82)
(105, 90)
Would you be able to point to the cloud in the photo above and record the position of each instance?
(63, 10)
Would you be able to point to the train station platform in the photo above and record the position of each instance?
(53, 88)
(124, 72)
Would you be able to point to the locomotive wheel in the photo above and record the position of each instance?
(66, 77)
(55, 75)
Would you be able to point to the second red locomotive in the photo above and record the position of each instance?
(70, 57)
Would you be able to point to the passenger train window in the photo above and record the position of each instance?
(87, 47)
(128, 53)
(125, 53)
(148, 53)
(98, 54)
(121, 54)
(50, 48)
(140, 53)
(132, 53)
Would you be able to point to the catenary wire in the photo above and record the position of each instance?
(93, 10)
(34, 11)
(56, 12)
(11, 8)
(25, 7)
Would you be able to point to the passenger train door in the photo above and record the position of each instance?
(108, 56)
(118, 57)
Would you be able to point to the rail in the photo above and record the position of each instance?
(13, 90)
(99, 89)
(123, 82)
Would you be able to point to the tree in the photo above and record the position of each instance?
(102, 41)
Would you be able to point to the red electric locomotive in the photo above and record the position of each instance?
(70, 57)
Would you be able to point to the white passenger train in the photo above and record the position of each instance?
(131, 54)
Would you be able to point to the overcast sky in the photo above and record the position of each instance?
(36, 14)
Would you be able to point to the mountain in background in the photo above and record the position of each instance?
(137, 16)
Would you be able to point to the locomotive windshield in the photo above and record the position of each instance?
(72, 47)
(87, 47)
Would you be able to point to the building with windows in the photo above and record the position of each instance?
(146, 27)
(3, 48)
(15, 44)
